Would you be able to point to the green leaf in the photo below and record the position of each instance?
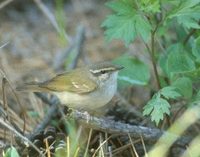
(196, 49)
(184, 86)
(11, 152)
(163, 63)
(126, 23)
(171, 2)
(121, 7)
(187, 13)
(150, 6)
(179, 61)
(157, 107)
(120, 27)
(145, 30)
(170, 92)
(135, 71)
(193, 75)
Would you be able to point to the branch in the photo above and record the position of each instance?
(5, 3)
(5, 44)
(110, 126)
(2, 122)
(152, 54)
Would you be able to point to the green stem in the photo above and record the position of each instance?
(153, 59)
(188, 36)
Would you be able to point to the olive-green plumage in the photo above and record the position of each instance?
(87, 87)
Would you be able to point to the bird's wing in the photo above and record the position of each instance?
(79, 83)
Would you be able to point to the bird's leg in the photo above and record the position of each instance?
(87, 115)
(83, 115)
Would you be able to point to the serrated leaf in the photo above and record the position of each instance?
(150, 6)
(170, 92)
(134, 72)
(147, 109)
(157, 107)
(126, 23)
(189, 22)
(184, 86)
(187, 13)
(120, 27)
(121, 7)
(178, 66)
(11, 152)
(179, 61)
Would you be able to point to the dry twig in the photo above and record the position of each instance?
(9, 127)
(5, 3)
(110, 126)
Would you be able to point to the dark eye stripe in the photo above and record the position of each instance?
(104, 70)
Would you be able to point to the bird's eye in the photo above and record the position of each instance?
(103, 72)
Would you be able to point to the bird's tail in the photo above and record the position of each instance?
(33, 86)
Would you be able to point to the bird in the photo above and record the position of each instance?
(88, 87)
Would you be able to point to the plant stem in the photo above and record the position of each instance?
(189, 35)
(153, 59)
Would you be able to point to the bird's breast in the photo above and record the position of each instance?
(89, 101)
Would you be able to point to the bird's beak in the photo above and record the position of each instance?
(118, 67)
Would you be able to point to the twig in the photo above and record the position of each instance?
(88, 142)
(101, 146)
(121, 148)
(19, 135)
(50, 16)
(6, 80)
(5, 44)
(152, 54)
(5, 105)
(110, 126)
(189, 35)
(3, 4)
(145, 150)
(133, 147)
